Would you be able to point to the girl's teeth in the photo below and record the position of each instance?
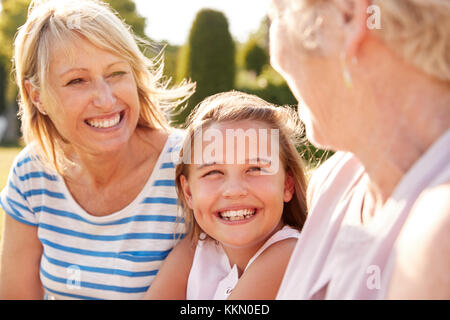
(238, 214)
(102, 124)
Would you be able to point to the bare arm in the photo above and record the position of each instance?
(20, 262)
(171, 281)
(262, 279)
(423, 250)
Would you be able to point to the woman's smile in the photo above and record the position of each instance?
(112, 121)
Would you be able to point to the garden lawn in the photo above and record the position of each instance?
(7, 155)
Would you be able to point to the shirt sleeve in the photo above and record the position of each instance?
(13, 199)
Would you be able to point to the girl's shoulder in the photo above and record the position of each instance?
(262, 278)
(284, 239)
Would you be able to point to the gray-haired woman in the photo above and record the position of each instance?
(373, 81)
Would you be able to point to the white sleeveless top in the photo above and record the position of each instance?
(211, 275)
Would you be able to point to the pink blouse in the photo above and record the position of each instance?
(339, 258)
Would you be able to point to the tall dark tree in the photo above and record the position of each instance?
(255, 57)
(12, 16)
(208, 58)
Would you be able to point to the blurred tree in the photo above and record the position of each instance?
(208, 58)
(13, 15)
(3, 82)
(127, 10)
(170, 61)
(255, 57)
(182, 71)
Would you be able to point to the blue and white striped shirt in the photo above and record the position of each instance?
(88, 257)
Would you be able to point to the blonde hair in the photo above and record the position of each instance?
(52, 21)
(235, 106)
(417, 30)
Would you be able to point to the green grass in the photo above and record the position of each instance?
(7, 155)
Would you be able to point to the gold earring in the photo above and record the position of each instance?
(347, 78)
(345, 73)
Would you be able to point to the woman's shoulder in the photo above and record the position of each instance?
(422, 258)
(28, 159)
(165, 139)
(176, 137)
(165, 143)
(422, 255)
(337, 171)
(429, 217)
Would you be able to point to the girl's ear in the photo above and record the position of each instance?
(289, 187)
(186, 190)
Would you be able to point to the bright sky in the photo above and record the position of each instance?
(172, 19)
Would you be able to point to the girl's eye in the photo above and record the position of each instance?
(257, 170)
(212, 172)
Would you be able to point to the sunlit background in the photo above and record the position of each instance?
(236, 53)
(171, 19)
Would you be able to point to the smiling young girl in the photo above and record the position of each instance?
(244, 202)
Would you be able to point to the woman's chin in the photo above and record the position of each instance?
(317, 139)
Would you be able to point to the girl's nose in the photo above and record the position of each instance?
(234, 188)
(104, 97)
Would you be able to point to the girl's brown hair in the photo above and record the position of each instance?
(236, 106)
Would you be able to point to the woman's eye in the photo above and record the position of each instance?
(118, 74)
(75, 81)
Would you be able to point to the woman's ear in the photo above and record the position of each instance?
(186, 190)
(35, 96)
(355, 13)
(289, 187)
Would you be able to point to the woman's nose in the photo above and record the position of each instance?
(104, 97)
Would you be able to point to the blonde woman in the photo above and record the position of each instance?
(373, 81)
(91, 200)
